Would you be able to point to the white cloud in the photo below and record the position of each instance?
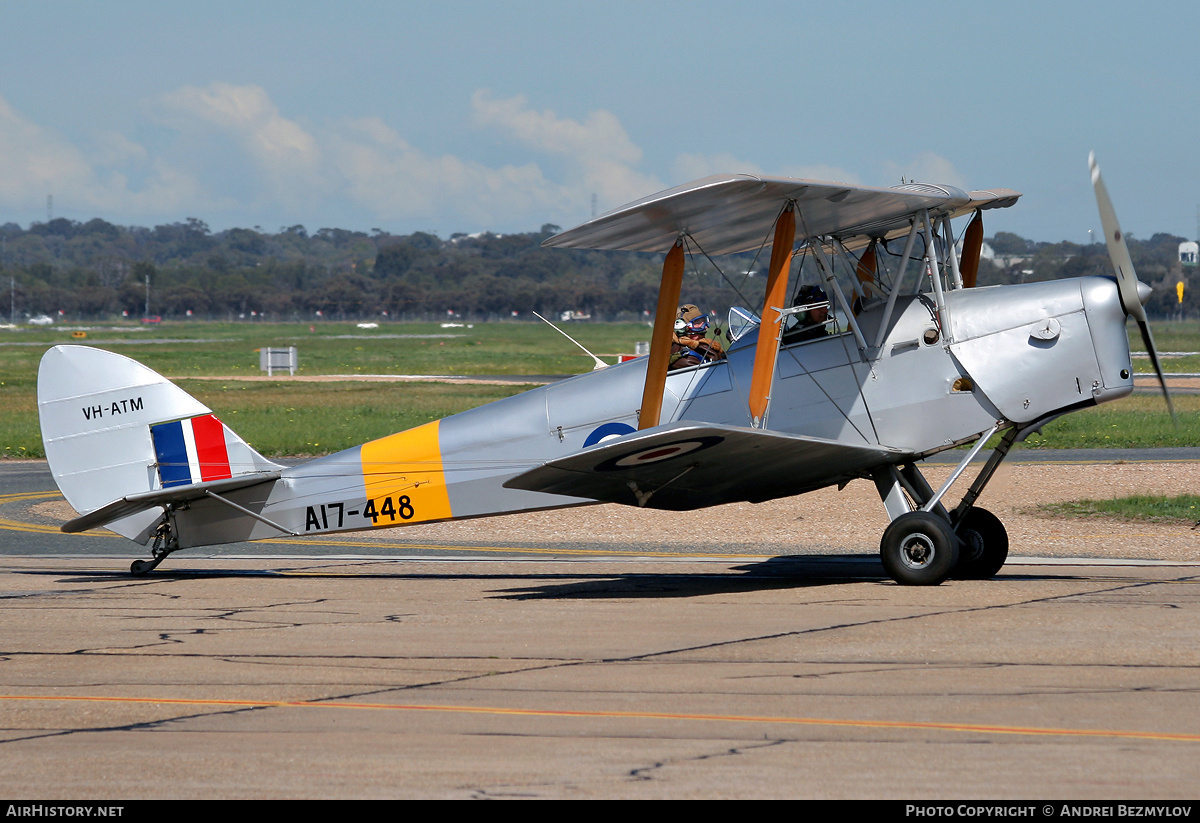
(598, 156)
(284, 157)
(114, 149)
(36, 162)
(247, 112)
(600, 136)
(231, 156)
(367, 165)
(380, 170)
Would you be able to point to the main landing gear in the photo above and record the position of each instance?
(925, 544)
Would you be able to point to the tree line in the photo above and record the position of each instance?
(97, 270)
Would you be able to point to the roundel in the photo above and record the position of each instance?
(659, 453)
(607, 432)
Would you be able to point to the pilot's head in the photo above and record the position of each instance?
(813, 294)
(690, 320)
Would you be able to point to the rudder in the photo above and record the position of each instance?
(112, 427)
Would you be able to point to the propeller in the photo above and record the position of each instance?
(1128, 286)
(968, 266)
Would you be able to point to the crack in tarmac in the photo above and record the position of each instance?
(647, 773)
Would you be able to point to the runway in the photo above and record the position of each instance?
(578, 669)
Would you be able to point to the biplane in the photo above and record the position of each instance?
(916, 359)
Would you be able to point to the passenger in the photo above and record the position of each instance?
(696, 340)
(810, 325)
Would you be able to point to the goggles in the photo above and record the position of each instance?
(699, 324)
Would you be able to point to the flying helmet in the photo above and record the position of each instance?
(690, 320)
(810, 294)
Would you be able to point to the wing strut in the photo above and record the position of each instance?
(767, 349)
(660, 339)
(931, 264)
(885, 323)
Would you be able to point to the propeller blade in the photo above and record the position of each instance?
(968, 266)
(865, 271)
(1118, 252)
(1127, 282)
(1148, 339)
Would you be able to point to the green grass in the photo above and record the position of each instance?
(19, 432)
(1168, 336)
(1153, 508)
(1137, 421)
(509, 348)
(290, 418)
(1179, 365)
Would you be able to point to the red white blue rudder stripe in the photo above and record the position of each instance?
(192, 451)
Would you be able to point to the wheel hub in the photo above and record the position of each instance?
(917, 551)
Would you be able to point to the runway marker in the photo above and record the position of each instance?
(968, 728)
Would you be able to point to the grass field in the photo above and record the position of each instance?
(289, 418)
(1168, 337)
(1156, 509)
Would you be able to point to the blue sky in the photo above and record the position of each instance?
(468, 116)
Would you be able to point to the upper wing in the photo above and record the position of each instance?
(725, 214)
(683, 466)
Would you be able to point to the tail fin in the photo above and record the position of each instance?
(113, 428)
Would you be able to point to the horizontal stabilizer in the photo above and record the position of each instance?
(683, 466)
(134, 503)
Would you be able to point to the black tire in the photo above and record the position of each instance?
(919, 549)
(141, 568)
(984, 545)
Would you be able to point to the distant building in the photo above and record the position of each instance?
(1189, 253)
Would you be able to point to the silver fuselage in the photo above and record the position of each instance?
(1015, 355)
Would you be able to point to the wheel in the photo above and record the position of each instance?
(918, 549)
(140, 568)
(984, 545)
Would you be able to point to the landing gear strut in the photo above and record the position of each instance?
(165, 542)
(925, 544)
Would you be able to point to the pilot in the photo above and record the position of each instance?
(696, 340)
(810, 325)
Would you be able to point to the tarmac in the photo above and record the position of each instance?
(589, 676)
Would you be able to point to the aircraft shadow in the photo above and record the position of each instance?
(783, 572)
(777, 572)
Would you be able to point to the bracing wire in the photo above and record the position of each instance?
(689, 241)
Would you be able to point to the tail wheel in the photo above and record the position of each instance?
(919, 549)
(984, 545)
